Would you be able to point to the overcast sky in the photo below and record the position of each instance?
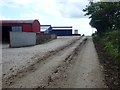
(53, 12)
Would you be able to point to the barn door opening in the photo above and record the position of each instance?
(6, 34)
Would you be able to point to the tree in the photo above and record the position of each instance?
(104, 15)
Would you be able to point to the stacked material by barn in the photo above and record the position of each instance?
(76, 33)
(45, 28)
(62, 30)
(44, 37)
(18, 26)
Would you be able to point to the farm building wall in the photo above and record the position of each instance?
(20, 39)
(36, 26)
(61, 32)
(26, 28)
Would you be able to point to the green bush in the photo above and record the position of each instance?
(111, 43)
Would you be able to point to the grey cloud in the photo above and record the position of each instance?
(71, 9)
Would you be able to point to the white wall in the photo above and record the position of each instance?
(20, 39)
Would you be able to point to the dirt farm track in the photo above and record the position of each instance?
(67, 62)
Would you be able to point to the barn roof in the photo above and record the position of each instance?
(62, 28)
(17, 21)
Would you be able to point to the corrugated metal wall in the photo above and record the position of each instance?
(61, 32)
(36, 26)
(27, 28)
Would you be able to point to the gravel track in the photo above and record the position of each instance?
(7, 81)
(82, 70)
(74, 65)
(16, 59)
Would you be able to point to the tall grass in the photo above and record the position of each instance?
(111, 42)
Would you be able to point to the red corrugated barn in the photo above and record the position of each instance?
(19, 26)
(26, 25)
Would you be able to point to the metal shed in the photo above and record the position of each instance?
(18, 26)
(62, 31)
(46, 28)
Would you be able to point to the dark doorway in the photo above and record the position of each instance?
(6, 34)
